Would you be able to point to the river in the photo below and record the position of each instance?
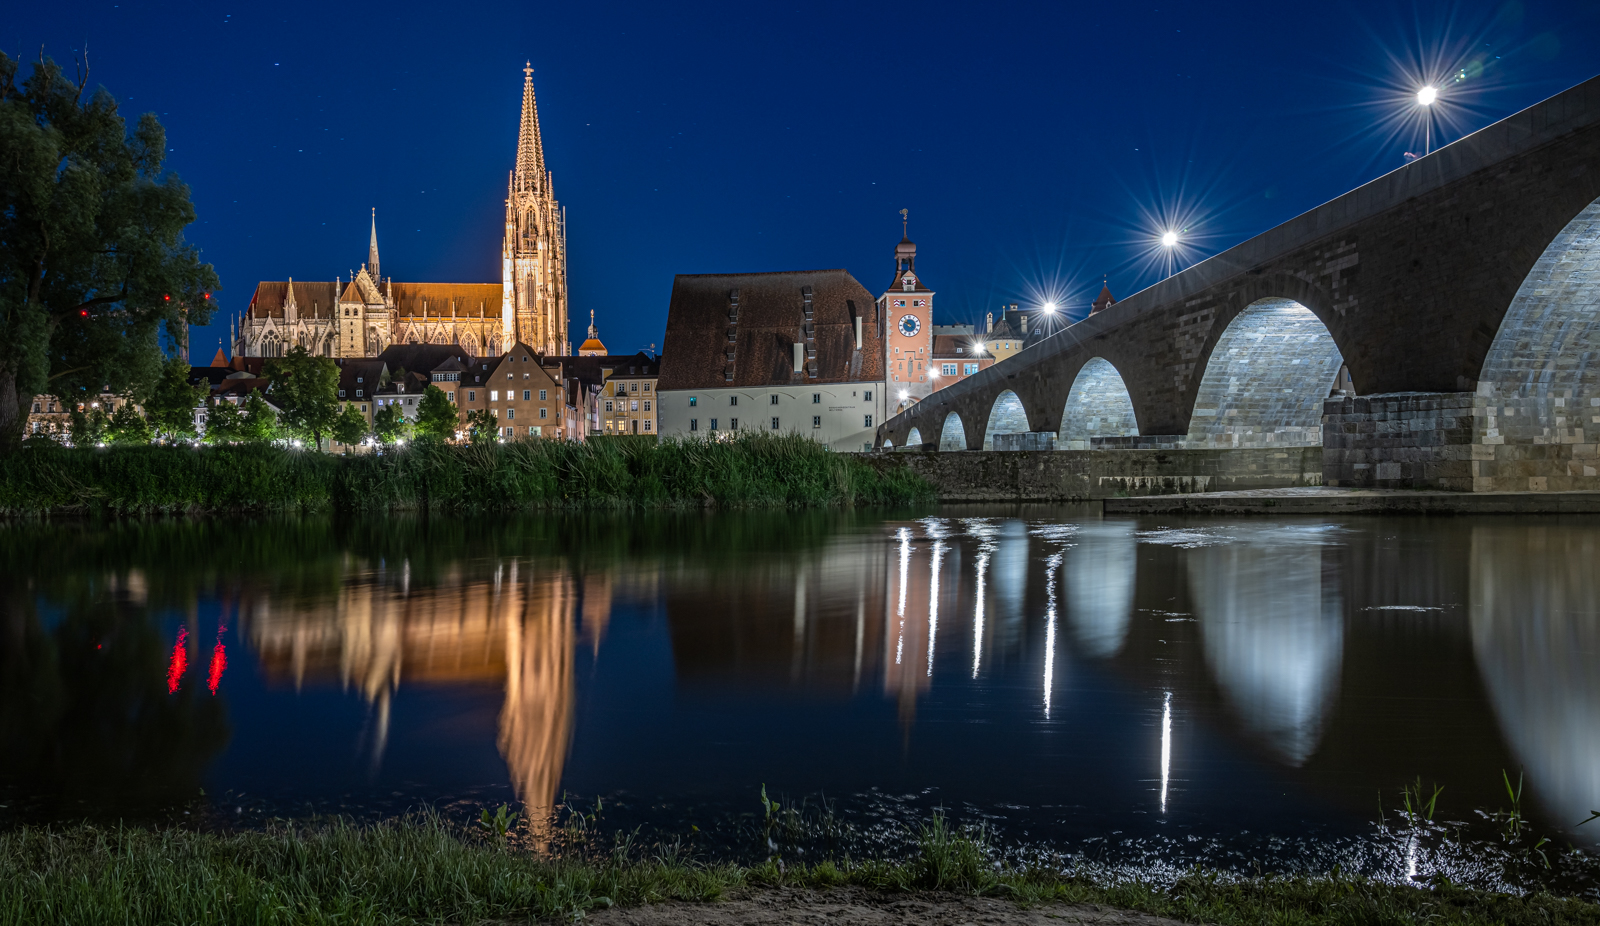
(1258, 688)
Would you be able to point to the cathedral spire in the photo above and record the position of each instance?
(530, 150)
(372, 246)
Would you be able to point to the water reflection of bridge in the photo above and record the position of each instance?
(1347, 661)
(513, 623)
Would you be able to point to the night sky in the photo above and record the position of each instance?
(1038, 146)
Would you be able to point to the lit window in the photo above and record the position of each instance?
(633, 405)
(494, 395)
(692, 401)
(972, 368)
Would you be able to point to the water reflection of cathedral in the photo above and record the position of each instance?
(516, 626)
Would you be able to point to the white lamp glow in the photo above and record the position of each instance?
(1170, 239)
(1427, 95)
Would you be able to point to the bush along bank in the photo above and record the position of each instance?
(755, 471)
(423, 870)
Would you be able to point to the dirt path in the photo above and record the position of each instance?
(849, 907)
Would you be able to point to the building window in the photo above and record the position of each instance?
(692, 401)
(633, 387)
(544, 413)
(948, 369)
(972, 368)
(646, 404)
(363, 409)
(360, 379)
(472, 395)
(633, 405)
(733, 424)
(358, 393)
(526, 394)
(773, 402)
(732, 400)
(411, 401)
(713, 424)
(816, 421)
(694, 424)
(868, 423)
(646, 387)
(511, 414)
(543, 394)
(608, 405)
(647, 424)
(774, 424)
(494, 395)
(341, 395)
(816, 398)
(866, 395)
(511, 432)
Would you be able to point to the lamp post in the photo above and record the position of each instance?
(1425, 99)
(1169, 240)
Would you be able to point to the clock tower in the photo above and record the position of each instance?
(907, 310)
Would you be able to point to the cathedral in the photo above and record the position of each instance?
(361, 316)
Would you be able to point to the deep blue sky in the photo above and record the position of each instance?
(1038, 146)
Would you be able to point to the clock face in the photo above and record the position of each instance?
(910, 325)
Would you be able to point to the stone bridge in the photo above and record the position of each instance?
(1437, 327)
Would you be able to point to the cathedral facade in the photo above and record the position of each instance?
(361, 316)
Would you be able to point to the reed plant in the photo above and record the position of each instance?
(422, 869)
(753, 471)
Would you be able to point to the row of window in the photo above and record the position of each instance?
(634, 403)
(511, 413)
(949, 369)
(620, 388)
(511, 395)
(816, 399)
(733, 423)
(619, 424)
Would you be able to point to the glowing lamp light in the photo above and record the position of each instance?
(166, 298)
(84, 312)
(1049, 308)
(1427, 95)
(1170, 239)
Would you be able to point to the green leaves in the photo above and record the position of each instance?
(94, 268)
(350, 428)
(389, 424)
(306, 390)
(436, 415)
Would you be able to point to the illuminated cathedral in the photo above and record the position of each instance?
(361, 315)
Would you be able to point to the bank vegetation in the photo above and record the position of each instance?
(753, 471)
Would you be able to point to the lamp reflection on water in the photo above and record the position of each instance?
(1166, 748)
(1052, 565)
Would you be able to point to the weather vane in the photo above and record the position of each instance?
(905, 221)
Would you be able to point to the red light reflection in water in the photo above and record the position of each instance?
(219, 662)
(179, 663)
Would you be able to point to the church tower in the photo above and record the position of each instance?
(534, 256)
(907, 308)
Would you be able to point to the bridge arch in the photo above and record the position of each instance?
(1541, 376)
(1265, 379)
(954, 434)
(1006, 416)
(914, 438)
(1098, 405)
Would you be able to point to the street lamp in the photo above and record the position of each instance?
(1049, 308)
(1425, 98)
(1169, 240)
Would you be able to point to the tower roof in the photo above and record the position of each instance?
(1104, 300)
(372, 245)
(530, 150)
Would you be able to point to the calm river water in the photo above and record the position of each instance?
(1072, 680)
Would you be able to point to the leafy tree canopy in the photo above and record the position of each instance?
(350, 428)
(89, 428)
(390, 424)
(170, 407)
(93, 262)
(483, 427)
(224, 423)
(127, 426)
(306, 390)
(260, 424)
(436, 415)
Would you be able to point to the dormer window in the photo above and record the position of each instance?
(360, 379)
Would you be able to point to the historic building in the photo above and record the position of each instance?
(907, 308)
(789, 353)
(367, 313)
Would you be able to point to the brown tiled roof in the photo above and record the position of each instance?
(472, 300)
(369, 371)
(352, 293)
(694, 355)
(1104, 300)
(944, 346)
(314, 300)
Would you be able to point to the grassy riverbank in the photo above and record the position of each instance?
(421, 870)
(755, 471)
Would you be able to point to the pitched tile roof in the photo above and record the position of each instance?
(421, 358)
(471, 300)
(313, 299)
(770, 320)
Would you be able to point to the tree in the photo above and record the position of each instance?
(93, 263)
(224, 423)
(127, 426)
(260, 425)
(483, 427)
(170, 407)
(89, 428)
(390, 424)
(350, 428)
(306, 390)
(436, 415)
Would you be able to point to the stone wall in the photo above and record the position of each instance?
(1063, 475)
(1265, 381)
(1458, 441)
